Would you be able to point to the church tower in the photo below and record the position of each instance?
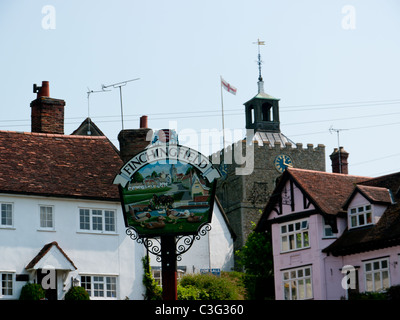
(262, 111)
(243, 197)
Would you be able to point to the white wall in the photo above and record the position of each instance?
(92, 253)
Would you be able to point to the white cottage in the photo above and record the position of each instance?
(61, 218)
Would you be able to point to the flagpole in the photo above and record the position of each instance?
(222, 106)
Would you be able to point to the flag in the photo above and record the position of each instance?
(228, 87)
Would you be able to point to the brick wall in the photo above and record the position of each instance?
(47, 115)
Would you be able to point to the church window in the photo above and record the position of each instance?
(266, 112)
(252, 115)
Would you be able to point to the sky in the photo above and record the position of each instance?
(333, 64)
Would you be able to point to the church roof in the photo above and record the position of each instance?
(263, 95)
(263, 137)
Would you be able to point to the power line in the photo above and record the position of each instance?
(239, 111)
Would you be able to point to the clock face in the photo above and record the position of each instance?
(223, 169)
(282, 162)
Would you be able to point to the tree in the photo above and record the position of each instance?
(137, 177)
(256, 259)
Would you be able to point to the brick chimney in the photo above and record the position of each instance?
(133, 141)
(47, 114)
(339, 161)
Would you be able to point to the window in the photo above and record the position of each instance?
(46, 217)
(266, 112)
(360, 216)
(109, 220)
(294, 236)
(100, 286)
(97, 220)
(297, 284)
(157, 273)
(377, 275)
(328, 233)
(6, 284)
(6, 218)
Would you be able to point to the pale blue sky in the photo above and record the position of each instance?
(325, 75)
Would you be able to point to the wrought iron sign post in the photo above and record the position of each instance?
(167, 193)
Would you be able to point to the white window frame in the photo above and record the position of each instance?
(358, 216)
(156, 272)
(11, 281)
(42, 227)
(374, 272)
(97, 220)
(294, 235)
(4, 218)
(100, 287)
(297, 283)
(327, 227)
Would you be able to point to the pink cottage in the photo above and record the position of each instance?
(333, 234)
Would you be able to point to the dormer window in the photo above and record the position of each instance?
(360, 216)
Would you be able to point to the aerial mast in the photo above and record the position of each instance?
(120, 85)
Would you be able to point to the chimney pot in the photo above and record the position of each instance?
(339, 160)
(44, 90)
(143, 122)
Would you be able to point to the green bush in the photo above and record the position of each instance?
(368, 296)
(77, 293)
(32, 291)
(153, 290)
(209, 287)
(191, 293)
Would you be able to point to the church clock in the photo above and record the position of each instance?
(282, 161)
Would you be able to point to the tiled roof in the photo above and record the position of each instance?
(385, 233)
(46, 248)
(328, 191)
(58, 165)
(331, 192)
(372, 194)
(86, 127)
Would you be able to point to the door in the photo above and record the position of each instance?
(47, 278)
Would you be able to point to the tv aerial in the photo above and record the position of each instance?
(119, 85)
(89, 92)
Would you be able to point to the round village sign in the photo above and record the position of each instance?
(167, 191)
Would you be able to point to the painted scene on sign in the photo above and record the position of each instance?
(167, 198)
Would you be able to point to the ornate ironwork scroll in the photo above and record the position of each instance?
(183, 243)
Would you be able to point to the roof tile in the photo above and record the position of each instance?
(58, 165)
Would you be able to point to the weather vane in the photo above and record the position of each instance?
(259, 62)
